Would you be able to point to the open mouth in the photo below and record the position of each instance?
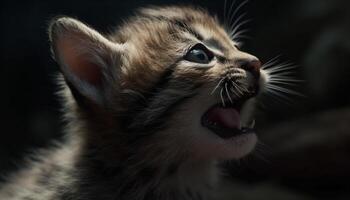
(225, 121)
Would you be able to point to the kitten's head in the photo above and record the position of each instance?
(170, 80)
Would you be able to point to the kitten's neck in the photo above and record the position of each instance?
(110, 167)
(131, 180)
(192, 180)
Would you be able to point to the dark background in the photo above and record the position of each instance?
(307, 142)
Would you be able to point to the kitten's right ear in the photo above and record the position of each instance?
(89, 62)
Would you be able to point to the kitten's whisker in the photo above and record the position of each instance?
(217, 86)
(282, 74)
(287, 79)
(238, 88)
(225, 21)
(285, 73)
(284, 67)
(230, 13)
(271, 62)
(228, 93)
(284, 90)
(282, 83)
(237, 22)
(234, 31)
(238, 9)
(243, 83)
(234, 92)
(241, 86)
(222, 97)
(239, 35)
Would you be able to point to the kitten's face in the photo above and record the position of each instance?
(173, 75)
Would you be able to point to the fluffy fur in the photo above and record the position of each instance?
(133, 107)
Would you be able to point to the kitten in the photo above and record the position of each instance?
(151, 110)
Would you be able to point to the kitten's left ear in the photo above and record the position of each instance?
(89, 62)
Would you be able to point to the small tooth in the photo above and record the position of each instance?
(252, 124)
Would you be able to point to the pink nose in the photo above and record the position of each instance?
(252, 66)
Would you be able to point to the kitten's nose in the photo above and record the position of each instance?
(253, 66)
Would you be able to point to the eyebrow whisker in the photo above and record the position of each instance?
(238, 9)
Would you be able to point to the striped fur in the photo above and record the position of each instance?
(134, 133)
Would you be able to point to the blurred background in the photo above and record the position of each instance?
(305, 142)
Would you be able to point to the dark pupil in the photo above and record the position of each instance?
(200, 55)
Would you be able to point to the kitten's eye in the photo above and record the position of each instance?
(199, 54)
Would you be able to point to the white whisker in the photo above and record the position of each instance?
(281, 68)
(281, 77)
(217, 86)
(286, 79)
(222, 97)
(236, 28)
(271, 62)
(287, 74)
(243, 85)
(237, 21)
(230, 11)
(234, 92)
(238, 88)
(238, 9)
(284, 90)
(283, 83)
(239, 35)
(228, 93)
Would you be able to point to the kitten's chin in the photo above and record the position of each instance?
(213, 147)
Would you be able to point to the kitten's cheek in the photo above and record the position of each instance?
(224, 149)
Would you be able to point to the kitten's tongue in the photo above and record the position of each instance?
(224, 117)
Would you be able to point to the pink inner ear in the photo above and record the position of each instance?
(79, 63)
